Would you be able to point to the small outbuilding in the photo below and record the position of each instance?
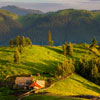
(22, 82)
(38, 84)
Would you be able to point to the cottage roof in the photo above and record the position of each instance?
(23, 79)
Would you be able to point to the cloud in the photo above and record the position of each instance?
(53, 5)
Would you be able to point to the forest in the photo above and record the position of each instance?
(77, 26)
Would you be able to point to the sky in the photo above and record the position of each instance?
(53, 5)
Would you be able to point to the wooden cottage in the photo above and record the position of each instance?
(23, 81)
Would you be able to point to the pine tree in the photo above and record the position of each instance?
(72, 67)
(11, 42)
(66, 44)
(99, 47)
(94, 43)
(82, 66)
(23, 41)
(50, 41)
(64, 50)
(16, 56)
(18, 40)
(21, 49)
(94, 71)
(28, 41)
(70, 49)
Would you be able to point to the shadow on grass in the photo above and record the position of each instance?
(45, 68)
(79, 51)
(80, 47)
(55, 49)
(93, 88)
(4, 62)
(4, 50)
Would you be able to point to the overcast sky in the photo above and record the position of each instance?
(53, 5)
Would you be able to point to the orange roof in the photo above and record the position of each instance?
(35, 84)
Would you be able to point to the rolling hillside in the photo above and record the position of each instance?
(40, 59)
(37, 59)
(74, 85)
(65, 25)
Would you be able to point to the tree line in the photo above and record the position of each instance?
(20, 41)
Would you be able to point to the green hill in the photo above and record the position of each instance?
(37, 59)
(74, 85)
(66, 25)
(9, 27)
(40, 59)
(7, 13)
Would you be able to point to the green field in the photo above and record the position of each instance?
(39, 59)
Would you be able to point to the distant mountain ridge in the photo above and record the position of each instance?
(20, 11)
(77, 26)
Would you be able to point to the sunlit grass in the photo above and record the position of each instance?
(74, 85)
(37, 59)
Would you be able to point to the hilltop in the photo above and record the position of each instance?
(20, 11)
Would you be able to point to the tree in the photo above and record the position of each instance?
(28, 41)
(58, 73)
(21, 49)
(18, 39)
(23, 41)
(66, 43)
(65, 49)
(65, 69)
(94, 71)
(11, 42)
(72, 67)
(99, 47)
(16, 56)
(50, 41)
(70, 49)
(94, 43)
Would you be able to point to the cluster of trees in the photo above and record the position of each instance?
(68, 49)
(20, 41)
(90, 69)
(65, 69)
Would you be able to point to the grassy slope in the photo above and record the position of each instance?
(36, 59)
(13, 16)
(74, 85)
(45, 59)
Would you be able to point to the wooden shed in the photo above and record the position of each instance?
(23, 81)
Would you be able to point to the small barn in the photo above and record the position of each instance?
(23, 81)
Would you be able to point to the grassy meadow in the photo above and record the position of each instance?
(74, 85)
(36, 59)
(40, 59)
